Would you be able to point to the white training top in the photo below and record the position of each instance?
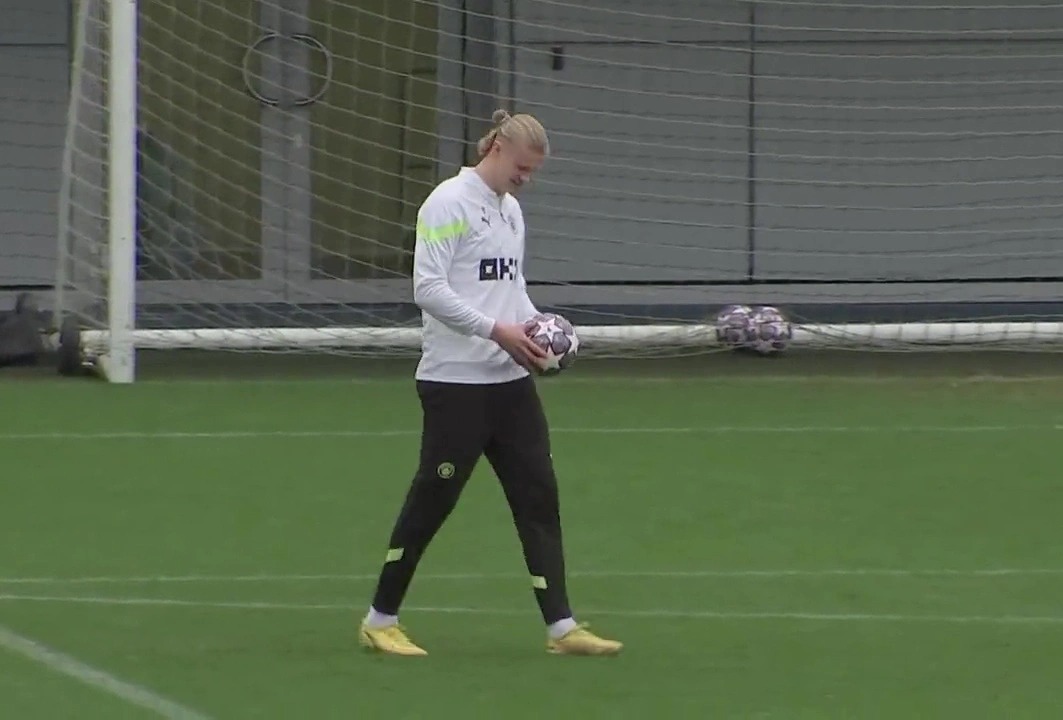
(467, 275)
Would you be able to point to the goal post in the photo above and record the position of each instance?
(122, 192)
(243, 175)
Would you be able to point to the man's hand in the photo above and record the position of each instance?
(516, 342)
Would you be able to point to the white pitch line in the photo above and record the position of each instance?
(680, 377)
(604, 574)
(660, 613)
(94, 677)
(679, 430)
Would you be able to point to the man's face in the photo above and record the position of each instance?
(518, 163)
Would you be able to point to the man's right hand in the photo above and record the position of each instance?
(520, 347)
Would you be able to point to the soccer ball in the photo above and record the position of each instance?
(769, 332)
(732, 325)
(554, 334)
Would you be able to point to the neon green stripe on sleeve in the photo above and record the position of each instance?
(440, 233)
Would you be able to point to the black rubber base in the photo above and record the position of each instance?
(70, 360)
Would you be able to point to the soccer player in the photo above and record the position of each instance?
(475, 385)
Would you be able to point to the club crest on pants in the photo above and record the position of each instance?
(445, 470)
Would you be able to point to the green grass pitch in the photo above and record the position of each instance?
(779, 539)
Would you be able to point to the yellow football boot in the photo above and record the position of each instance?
(390, 639)
(581, 641)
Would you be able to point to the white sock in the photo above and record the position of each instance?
(378, 619)
(561, 627)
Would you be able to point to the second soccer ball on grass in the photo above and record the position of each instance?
(760, 329)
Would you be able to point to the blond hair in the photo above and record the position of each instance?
(520, 127)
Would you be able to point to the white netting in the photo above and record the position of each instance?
(888, 174)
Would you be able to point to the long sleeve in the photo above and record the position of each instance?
(439, 229)
(528, 309)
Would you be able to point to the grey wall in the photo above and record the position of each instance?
(660, 148)
(33, 94)
(861, 163)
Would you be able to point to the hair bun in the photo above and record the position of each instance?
(499, 116)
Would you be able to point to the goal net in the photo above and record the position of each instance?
(245, 174)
